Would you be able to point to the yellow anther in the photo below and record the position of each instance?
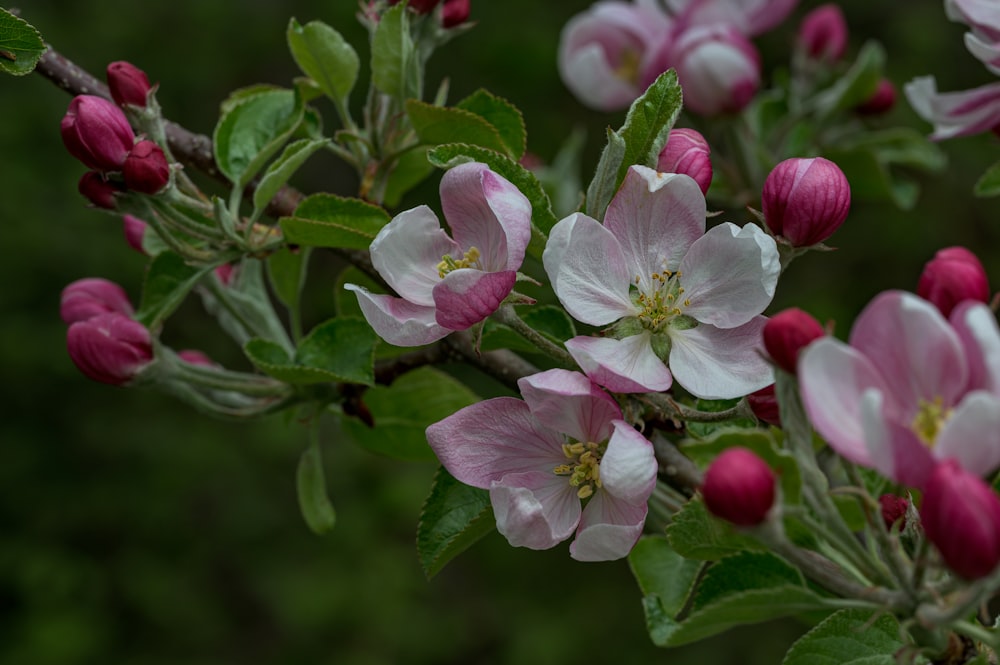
(585, 491)
(687, 302)
(563, 470)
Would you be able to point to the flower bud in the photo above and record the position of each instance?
(823, 33)
(195, 357)
(109, 348)
(134, 229)
(764, 404)
(146, 169)
(96, 132)
(953, 275)
(86, 298)
(718, 69)
(739, 487)
(128, 84)
(881, 101)
(961, 516)
(98, 190)
(687, 152)
(455, 12)
(806, 200)
(226, 273)
(893, 509)
(787, 333)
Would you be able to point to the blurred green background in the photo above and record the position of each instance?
(137, 531)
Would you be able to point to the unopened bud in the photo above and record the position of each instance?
(128, 84)
(893, 509)
(96, 132)
(787, 333)
(146, 169)
(881, 101)
(961, 516)
(98, 190)
(109, 348)
(953, 275)
(226, 273)
(135, 230)
(739, 487)
(823, 33)
(806, 200)
(687, 152)
(86, 298)
(718, 68)
(764, 404)
(455, 12)
(196, 357)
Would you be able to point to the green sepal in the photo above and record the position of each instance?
(310, 484)
(453, 518)
(21, 45)
(324, 56)
(338, 350)
(328, 220)
(168, 281)
(436, 125)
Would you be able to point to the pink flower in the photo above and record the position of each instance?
(96, 132)
(751, 17)
(911, 389)
(983, 41)
(128, 84)
(146, 169)
(955, 114)
(952, 276)
(609, 54)
(86, 298)
(109, 348)
(446, 284)
(687, 152)
(540, 457)
(739, 487)
(823, 33)
(787, 333)
(672, 290)
(805, 200)
(717, 66)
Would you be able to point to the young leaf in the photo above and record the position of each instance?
(453, 518)
(649, 121)
(324, 56)
(328, 220)
(281, 169)
(605, 181)
(394, 60)
(989, 183)
(502, 115)
(339, 350)
(21, 45)
(857, 85)
(743, 571)
(849, 637)
(439, 124)
(252, 130)
(694, 534)
(310, 482)
(168, 281)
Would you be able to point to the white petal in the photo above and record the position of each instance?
(535, 510)
(398, 321)
(609, 528)
(570, 403)
(972, 434)
(628, 467)
(621, 365)
(407, 250)
(718, 363)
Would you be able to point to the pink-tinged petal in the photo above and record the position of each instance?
(976, 325)
(972, 434)
(487, 212)
(986, 52)
(914, 349)
(720, 363)
(621, 365)
(832, 378)
(894, 449)
(656, 217)
(628, 466)
(536, 510)
(568, 402)
(609, 528)
(588, 271)
(398, 321)
(465, 297)
(589, 76)
(488, 440)
(955, 114)
(407, 251)
(729, 275)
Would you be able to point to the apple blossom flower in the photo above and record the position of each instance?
(675, 292)
(687, 152)
(446, 284)
(823, 33)
(86, 298)
(609, 54)
(954, 114)
(109, 348)
(739, 487)
(565, 442)
(952, 276)
(787, 333)
(805, 200)
(717, 67)
(983, 41)
(911, 389)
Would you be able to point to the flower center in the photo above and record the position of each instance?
(448, 263)
(628, 66)
(664, 301)
(930, 420)
(584, 467)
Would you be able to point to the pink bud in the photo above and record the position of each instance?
(135, 230)
(739, 487)
(881, 101)
(764, 404)
(110, 348)
(953, 275)
(687, 152)
(806, 200)
(98, 190)
(86, 298)
(146, 169)
(823, 33)
(96, 132)
(787, 333)
(455, 12)
(128, 84)
(893, 509)
(226, 273)
(718, 69)
(961, 516)
(195, 357)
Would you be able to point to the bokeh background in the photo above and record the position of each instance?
(133, 530)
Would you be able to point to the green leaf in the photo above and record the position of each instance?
(339, 350)
(252, 128)
(857, 85)
(395, 66)
(649, 121)
(328, 220)
(848, 637)
(695, 534)
(542, 217)
(871, 180)
(743, 571)
(410, 170)
(760, 442)
(605, 182)
(168, 281)
(281, 169)
(310, 483)
(287, 270)
(503, 116)
(666, 580)
(453, 518)
(324, 56)
(404, 410)
(440, 124)
(21, 45)
(989, 183)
